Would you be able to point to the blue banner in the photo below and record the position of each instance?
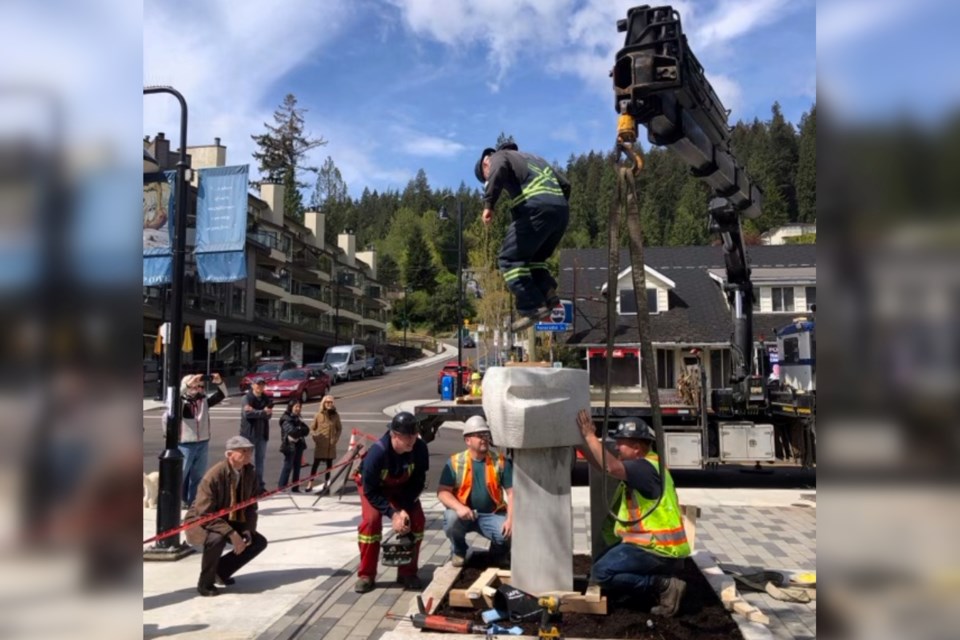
(158, 214)
(222, 224)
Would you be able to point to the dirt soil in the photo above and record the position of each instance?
(701, 614)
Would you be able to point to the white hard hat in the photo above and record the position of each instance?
(476, 424)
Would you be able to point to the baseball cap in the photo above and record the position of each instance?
(475, 424)
(635, 429)
(478, 169)
(238, 442)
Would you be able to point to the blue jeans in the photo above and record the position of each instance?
(626, 566)
(488, 525)
(194, 466)
(259, 456)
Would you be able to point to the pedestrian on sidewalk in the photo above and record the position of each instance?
(540, 211)
(476, 487)
(325, 430)
(392, 476)
(227, 483)
(255, 425)
(642, 555)
(195, 428)
(293, 433)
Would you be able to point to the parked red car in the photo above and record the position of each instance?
(266, 369)
(299, 383)
(450, 369)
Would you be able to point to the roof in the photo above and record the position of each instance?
(698, 313)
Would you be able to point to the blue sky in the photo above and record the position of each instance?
(399, 85)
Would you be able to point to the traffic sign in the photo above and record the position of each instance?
(554, 326)
(209, 329)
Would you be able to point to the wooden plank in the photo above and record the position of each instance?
(545, 365)
(486, 579)
(592, 594)
(580, 604)
(460, 599)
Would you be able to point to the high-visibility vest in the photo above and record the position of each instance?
(661, 532)
(462, 465)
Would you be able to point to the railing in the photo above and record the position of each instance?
(282, 244)
(270, 277)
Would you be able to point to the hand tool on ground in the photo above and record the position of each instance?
(549, 628)
(443, 623)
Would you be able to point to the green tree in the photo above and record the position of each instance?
(690, 224)
(782, 157)
(419, 270)
(807, 168)
(281, 152)
(388, 271)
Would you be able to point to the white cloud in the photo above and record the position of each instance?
(728, 91)
(421, 144)
(225, 57)
(731, 19)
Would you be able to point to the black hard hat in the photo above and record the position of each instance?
(635, 429)
(509, 145)
(478, 170)
(404, 423)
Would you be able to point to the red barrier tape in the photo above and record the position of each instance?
(354, 450)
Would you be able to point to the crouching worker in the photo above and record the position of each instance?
(227, 483)
(642, 555)
(476, 487)
(392, 477)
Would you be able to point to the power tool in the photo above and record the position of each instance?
(550, 618)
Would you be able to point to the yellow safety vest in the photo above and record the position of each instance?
(462, 465)
(661, 532)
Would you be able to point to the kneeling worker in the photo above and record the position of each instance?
(392, 477)
(640, 555)
(225, 484)
(473, 487)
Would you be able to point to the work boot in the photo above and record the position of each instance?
(528, 320)
(552, 298)
(224, 582)
(458, 561)
(411, 583)
(207, 590)
(296, 489)
(671, 592)
(364, 585)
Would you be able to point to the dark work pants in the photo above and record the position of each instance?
(291, 462)
(215, 563)
(530, 241)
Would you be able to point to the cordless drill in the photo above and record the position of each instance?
(550, 619)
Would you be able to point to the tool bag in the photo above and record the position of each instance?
(398, 550)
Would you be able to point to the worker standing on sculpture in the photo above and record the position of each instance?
(642, 555)
(539, 202)
(391, 478)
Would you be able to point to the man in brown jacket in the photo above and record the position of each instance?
(227, 483)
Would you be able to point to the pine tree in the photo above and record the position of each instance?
(782, 154)
(282, 151)
(690, 224)
(419, 271)
(388, 271)
(807, 168)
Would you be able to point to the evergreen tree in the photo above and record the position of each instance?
(782, 157)
(807, 168)
(418, 195)
(282, 151)
(419, 270)
(504, 138)
(690, 224)
(388, 271)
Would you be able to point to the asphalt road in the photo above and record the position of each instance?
(360, 403)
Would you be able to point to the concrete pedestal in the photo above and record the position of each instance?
(533, 411)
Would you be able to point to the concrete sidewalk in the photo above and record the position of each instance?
(302, 584)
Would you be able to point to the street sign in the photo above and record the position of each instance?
(165, 332)
(554, 326)
(209, 329)
(561, 318)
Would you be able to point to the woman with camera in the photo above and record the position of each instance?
(195, 428)
(293, 430)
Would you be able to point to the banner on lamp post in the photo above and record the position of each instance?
(158, 214)
(222, 224)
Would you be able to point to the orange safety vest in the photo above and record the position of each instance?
(462, 465)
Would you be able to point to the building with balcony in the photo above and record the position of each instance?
(300, 296)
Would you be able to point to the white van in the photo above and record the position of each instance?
(349, 361)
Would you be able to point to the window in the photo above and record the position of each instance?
(756, 299)
(628, 302)
(239, 302)
(811, 297)
(791, 350)
(782, 298)
(666, 378)
(720, 369)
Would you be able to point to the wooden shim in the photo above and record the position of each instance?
(592, 594)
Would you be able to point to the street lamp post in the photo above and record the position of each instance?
(406, 314)
(444, 216)
(171, 460)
